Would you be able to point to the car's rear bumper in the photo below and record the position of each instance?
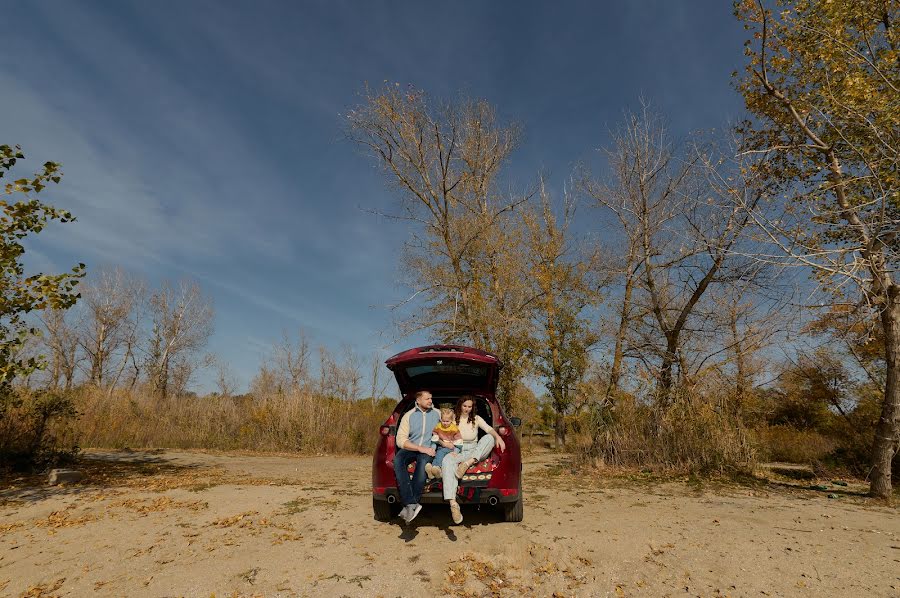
(482, 496)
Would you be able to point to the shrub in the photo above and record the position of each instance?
(33, 429)
(692, 434)
(788, 444)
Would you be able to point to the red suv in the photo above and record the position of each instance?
(448, 372)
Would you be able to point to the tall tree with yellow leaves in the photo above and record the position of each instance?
(463, 260)
(567, 281)
(822, 83)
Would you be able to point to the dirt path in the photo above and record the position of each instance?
(195, 524)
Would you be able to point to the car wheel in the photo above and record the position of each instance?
(382, 510)
(513, 512)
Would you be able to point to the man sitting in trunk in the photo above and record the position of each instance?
(414, 444)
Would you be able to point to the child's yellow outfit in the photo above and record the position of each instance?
(448, 433)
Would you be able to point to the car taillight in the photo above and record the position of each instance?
(503, 430)
(385, 430)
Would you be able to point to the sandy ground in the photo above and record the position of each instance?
(196, 524)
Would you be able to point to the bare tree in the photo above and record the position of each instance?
(605, 197)
(683, 232)
(330, 380)
(226, 381)
(292, 360)
(378, 382)
(339, 379)
(61, 339)
(629, 272)
(265, 383)
(109, 325)
(182, 320)
(750, 322)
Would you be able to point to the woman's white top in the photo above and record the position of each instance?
(469, 431)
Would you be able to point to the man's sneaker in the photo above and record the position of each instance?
(413, 511)
(429, 471)
(455, 513)
(404, 513)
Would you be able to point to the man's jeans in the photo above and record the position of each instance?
(410, 492)
(443, 451)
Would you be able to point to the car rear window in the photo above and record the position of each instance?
(443, 367)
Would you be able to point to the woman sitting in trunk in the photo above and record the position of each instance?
(455, 465)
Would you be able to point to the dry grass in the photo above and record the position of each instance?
(787, 444)
(691, 435)
(298, 422)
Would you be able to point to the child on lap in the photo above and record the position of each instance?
(447, 432)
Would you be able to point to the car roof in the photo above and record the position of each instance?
(446, 350)
(446, 369)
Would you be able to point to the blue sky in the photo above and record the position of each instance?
(204, 139)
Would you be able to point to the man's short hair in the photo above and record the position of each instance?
(421, 394)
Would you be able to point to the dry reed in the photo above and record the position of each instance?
(784, 443)
(691, 434)
(292, 422)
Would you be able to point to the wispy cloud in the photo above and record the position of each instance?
(204, 139)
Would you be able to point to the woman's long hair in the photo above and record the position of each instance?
(472, 413)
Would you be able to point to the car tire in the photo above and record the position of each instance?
(382, 510)
(513, 512)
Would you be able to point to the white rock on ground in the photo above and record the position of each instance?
(64, 476)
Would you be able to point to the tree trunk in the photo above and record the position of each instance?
(886, 432)
(55, 373)
(98, 359)
(616, 372)
(559, 430)
(665, 372)
(739, 361)
(162, 380)
(506, 384)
